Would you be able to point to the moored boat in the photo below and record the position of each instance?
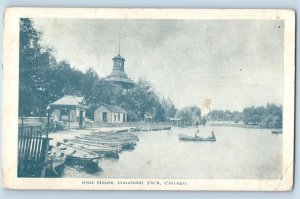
(101, 150)
(56, 158)
(117, 138)
(85, 159)
(117, 135)
(126, 144)
(97, 142)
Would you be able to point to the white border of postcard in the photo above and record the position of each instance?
(11, 85)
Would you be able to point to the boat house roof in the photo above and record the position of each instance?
(115, 109)
(69, 100)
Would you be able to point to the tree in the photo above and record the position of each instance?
(43, 80)
(269, 116)
(168, 107)
(141, 100)
(33, 65)
(190, 116)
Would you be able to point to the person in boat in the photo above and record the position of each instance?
(197, 134)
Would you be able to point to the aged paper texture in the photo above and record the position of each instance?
(148, 99)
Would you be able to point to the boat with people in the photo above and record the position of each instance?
(211, 138)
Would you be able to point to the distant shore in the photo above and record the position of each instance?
(233, 124)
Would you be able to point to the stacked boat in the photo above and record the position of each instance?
(86, 150)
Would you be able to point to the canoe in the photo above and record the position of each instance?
(199, 139)
(104, 151)
(55, 159)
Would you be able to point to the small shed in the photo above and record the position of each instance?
(174, 121)
(69, 109)
(110, 114)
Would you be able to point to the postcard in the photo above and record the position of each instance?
(148, 99)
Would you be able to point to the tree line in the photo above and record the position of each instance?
(43, 79)
(269, 116)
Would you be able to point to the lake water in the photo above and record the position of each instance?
(238, 153)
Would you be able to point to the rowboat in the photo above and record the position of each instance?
(183, 137)
(98, 144)
(153, 128)
(117, 135)
(276, 132)
(85, 159)
(55, 159)
(105, 151)
(126, 144)
(112, 139)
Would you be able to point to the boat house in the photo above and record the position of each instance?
(70, 110)
(109, 114)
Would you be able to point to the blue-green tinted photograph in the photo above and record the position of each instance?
(160, 99)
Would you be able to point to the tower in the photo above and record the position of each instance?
(118, 74)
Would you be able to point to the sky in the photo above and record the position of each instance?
(235, 63)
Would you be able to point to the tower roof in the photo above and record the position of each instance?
(119, 57)
(118, 74)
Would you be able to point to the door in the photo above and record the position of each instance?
(80, 118)
(104, 117)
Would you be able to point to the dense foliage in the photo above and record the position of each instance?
(269, 116)
(44, 80)
(224, 115)
(190, 116)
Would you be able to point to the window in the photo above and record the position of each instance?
(118, 116)
(64, 114)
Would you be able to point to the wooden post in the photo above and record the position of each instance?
(48, 121)
(45, 157)
(22, 128)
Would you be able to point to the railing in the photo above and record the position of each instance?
(32, 151)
